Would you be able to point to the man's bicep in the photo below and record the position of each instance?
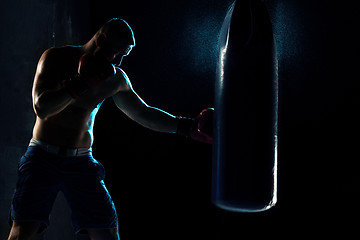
(130, 103)
(45, 77)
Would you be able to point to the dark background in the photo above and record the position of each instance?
(160, 183)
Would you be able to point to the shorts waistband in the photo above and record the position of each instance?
(59, 150)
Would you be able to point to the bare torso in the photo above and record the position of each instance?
(73, 126)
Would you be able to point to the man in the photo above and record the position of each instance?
(70, 85)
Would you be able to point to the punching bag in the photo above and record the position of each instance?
(244, 175)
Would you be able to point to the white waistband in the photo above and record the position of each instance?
(63, 151)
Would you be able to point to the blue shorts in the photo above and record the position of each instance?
(42, 175)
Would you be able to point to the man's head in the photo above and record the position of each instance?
(114, 40)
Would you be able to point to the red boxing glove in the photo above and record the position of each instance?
(200, 128)
(92, 70)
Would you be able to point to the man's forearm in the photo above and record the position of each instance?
(51, 102)
(158, 120)
(199, 128)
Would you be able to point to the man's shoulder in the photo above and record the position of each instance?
(60, 56)
(59, 60)
(62, 51)
(124, 81)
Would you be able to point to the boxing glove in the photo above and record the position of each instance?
(92, 70)
(200, 128)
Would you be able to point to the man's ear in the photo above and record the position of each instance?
(100, 40)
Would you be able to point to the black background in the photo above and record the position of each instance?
(159, 182)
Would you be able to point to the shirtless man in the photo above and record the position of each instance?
(70, 85)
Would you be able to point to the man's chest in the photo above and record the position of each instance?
(96, 95)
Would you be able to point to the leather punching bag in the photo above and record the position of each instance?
(245, 130)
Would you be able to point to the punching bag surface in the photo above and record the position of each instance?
(245, 133)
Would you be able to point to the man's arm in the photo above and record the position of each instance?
(49, 95)
(129, 102)
(199, 128)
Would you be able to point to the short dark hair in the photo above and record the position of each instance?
(119, 28)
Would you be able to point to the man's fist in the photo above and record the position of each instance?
(92, 70)
(200, 128)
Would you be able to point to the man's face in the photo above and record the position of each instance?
(120, 53)
(115, 50)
